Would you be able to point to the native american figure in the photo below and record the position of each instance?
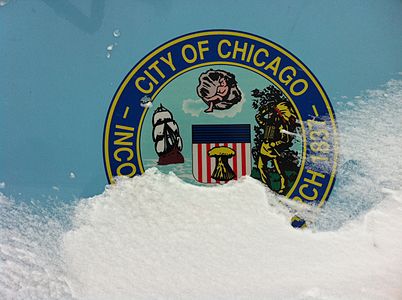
(279, 122)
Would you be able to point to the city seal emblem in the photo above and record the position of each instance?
(213, 106)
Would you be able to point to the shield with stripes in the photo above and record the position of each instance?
(221, 152)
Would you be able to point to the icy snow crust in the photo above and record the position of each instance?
(156, 237)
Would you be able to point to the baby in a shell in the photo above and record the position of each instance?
(218, 89)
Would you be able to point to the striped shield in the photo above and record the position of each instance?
(221, 152)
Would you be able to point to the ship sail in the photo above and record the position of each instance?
(166, 136)
(161, 115)
(159, 130)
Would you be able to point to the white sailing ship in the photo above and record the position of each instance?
(166, 135)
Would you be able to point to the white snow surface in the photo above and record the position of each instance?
(156, 237)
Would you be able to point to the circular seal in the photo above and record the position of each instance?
(213, 106)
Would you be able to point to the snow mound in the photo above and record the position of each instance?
(155, 237)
